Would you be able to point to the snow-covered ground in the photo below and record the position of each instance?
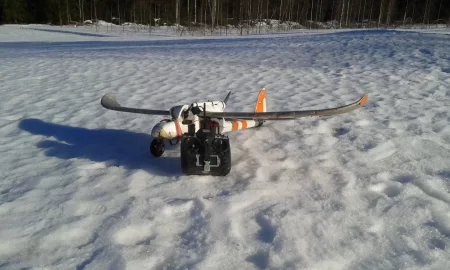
(365, 190)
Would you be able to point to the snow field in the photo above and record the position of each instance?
(364, 190)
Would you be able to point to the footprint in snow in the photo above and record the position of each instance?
(437, 243)
(340, 132)
(259, 259)
(425, 51)
(382, 151)
(404, 179)
(267, 232)
(134, 234)
(90, 209)
(390, 189)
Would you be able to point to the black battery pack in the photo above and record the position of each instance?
(205, 153)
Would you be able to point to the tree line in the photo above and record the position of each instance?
(343, 13)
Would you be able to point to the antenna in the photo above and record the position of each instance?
(226, 98)
(204, 115)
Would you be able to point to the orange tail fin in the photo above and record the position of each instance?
(261, 101)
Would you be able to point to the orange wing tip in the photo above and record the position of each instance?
(259, 102)
(363, 101)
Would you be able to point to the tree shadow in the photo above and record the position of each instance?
(70, 32)
(115, 147)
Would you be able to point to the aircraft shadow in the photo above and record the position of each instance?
(116, 147)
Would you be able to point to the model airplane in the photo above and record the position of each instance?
(202, 121)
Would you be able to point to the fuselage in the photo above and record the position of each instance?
(211, 106)
(171, 129)
(177, 126)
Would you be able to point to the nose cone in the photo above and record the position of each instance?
(165, 130)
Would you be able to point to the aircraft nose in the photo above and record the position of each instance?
(165, 130)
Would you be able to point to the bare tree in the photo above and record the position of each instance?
(348, 10)
(389, 12)
(79, 8)
(406, 10)
(213, 12)
(342, 14)
(439, 10)
(177, 11)
(67, 12)
(380, 16)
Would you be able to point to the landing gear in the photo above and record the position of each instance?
(157, 147)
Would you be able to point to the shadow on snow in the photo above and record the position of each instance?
(70, 32)
(116, 147)
(218, 40)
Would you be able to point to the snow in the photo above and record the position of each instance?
(365, 190)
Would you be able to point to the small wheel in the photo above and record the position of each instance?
(157, 147)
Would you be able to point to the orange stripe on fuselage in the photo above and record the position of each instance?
(235, 125)
(260, 101)
(244, 124)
